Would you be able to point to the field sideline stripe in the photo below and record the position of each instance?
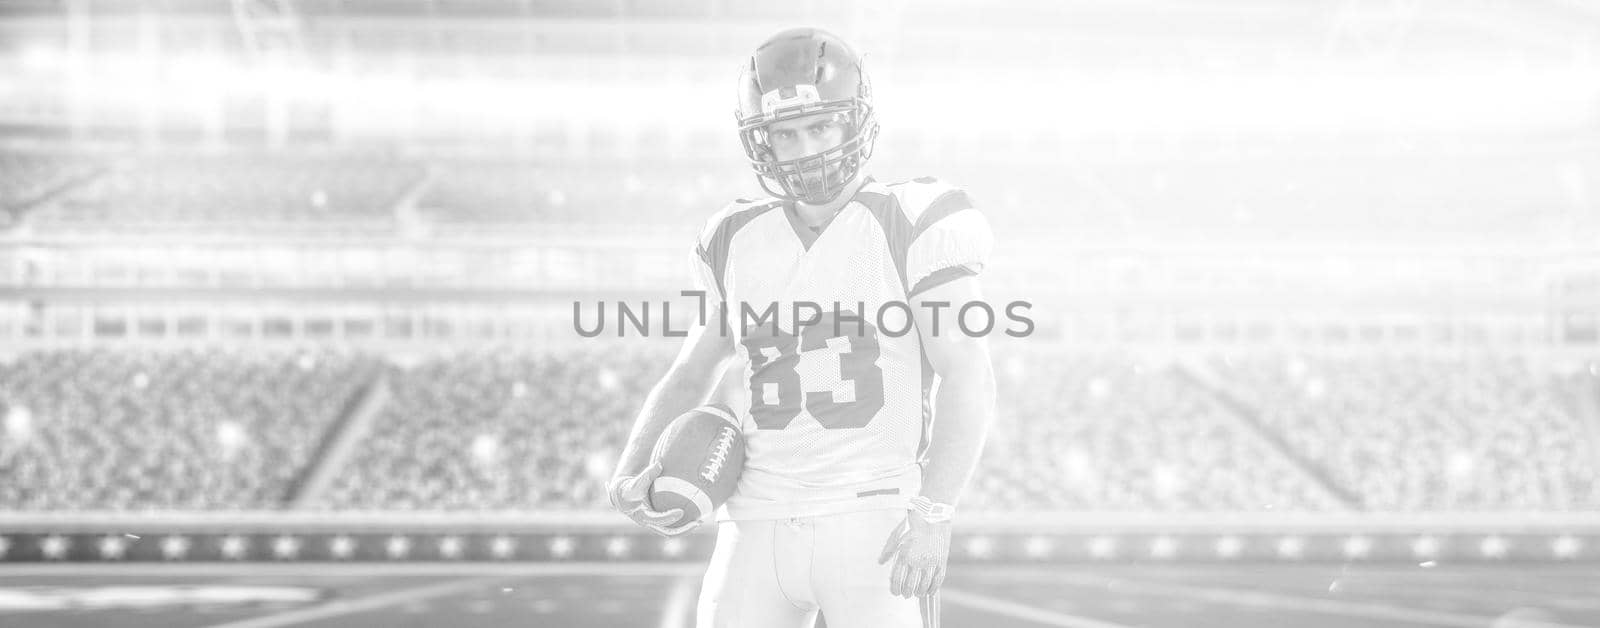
(1240, 597)
(1017, 610)
(370, 570)
(1447, 582)
(364, 604)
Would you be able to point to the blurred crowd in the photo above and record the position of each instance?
(228, 190)
(1112, 433)
(29, 178)
(232, 189)
(616, 185)
(541, 430)
(1412, 433)
(508, 430)
(189, 430)
(500, 192)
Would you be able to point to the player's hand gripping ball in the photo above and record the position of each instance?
(700, 454)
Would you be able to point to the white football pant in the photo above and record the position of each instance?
(779, 573)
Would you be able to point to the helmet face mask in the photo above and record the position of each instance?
(797, 74)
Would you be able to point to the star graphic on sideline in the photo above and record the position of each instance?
(450, 547)
(618, 547)
(234, 547)
(672, 548)
(55, 546)
(562, 546)
(341, 547)
(1291, 547)
(1038, 547)
(502, 547)
(1229, 547)
(397, 547)
(285, 547)
(1357, 547)
(174, 547)
(1163, 547)
(113, 548)
(1566, 546)
(1494, 547)
(1102, 547)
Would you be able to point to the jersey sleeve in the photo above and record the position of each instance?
(950, 238)
(703, 267)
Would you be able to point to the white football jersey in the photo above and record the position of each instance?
(838, 414)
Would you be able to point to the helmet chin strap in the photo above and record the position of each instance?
(852, 166)
(846, 191)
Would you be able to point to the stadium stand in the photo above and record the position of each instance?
(129, 430)
(1427, 433)
(1110, 433)
(500, 431)
(237, 188)
(510, 192)
(27, 178)
(517, 430)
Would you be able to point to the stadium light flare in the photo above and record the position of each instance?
(1086, 103)
(40, 56)
(231, 438)
(18, 424)
(485, 449)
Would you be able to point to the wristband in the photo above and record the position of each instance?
(931, 511)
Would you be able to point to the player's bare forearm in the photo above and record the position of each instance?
(964, 408)
(965, 412)
(697, 369)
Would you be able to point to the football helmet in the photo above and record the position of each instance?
(797, 73)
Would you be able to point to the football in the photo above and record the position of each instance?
(701, 454)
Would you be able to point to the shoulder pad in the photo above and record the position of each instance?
(738, 205)
(921, 194)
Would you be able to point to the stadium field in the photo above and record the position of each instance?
(593, 595)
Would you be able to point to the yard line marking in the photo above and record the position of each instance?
(679, 607)
(354, 570)
(364, 604)
(1239, 597)
(1018, 610)
(1439, 585)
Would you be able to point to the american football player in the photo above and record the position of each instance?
(834, 288)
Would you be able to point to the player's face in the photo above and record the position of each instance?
(810, 135)
(807, 136)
